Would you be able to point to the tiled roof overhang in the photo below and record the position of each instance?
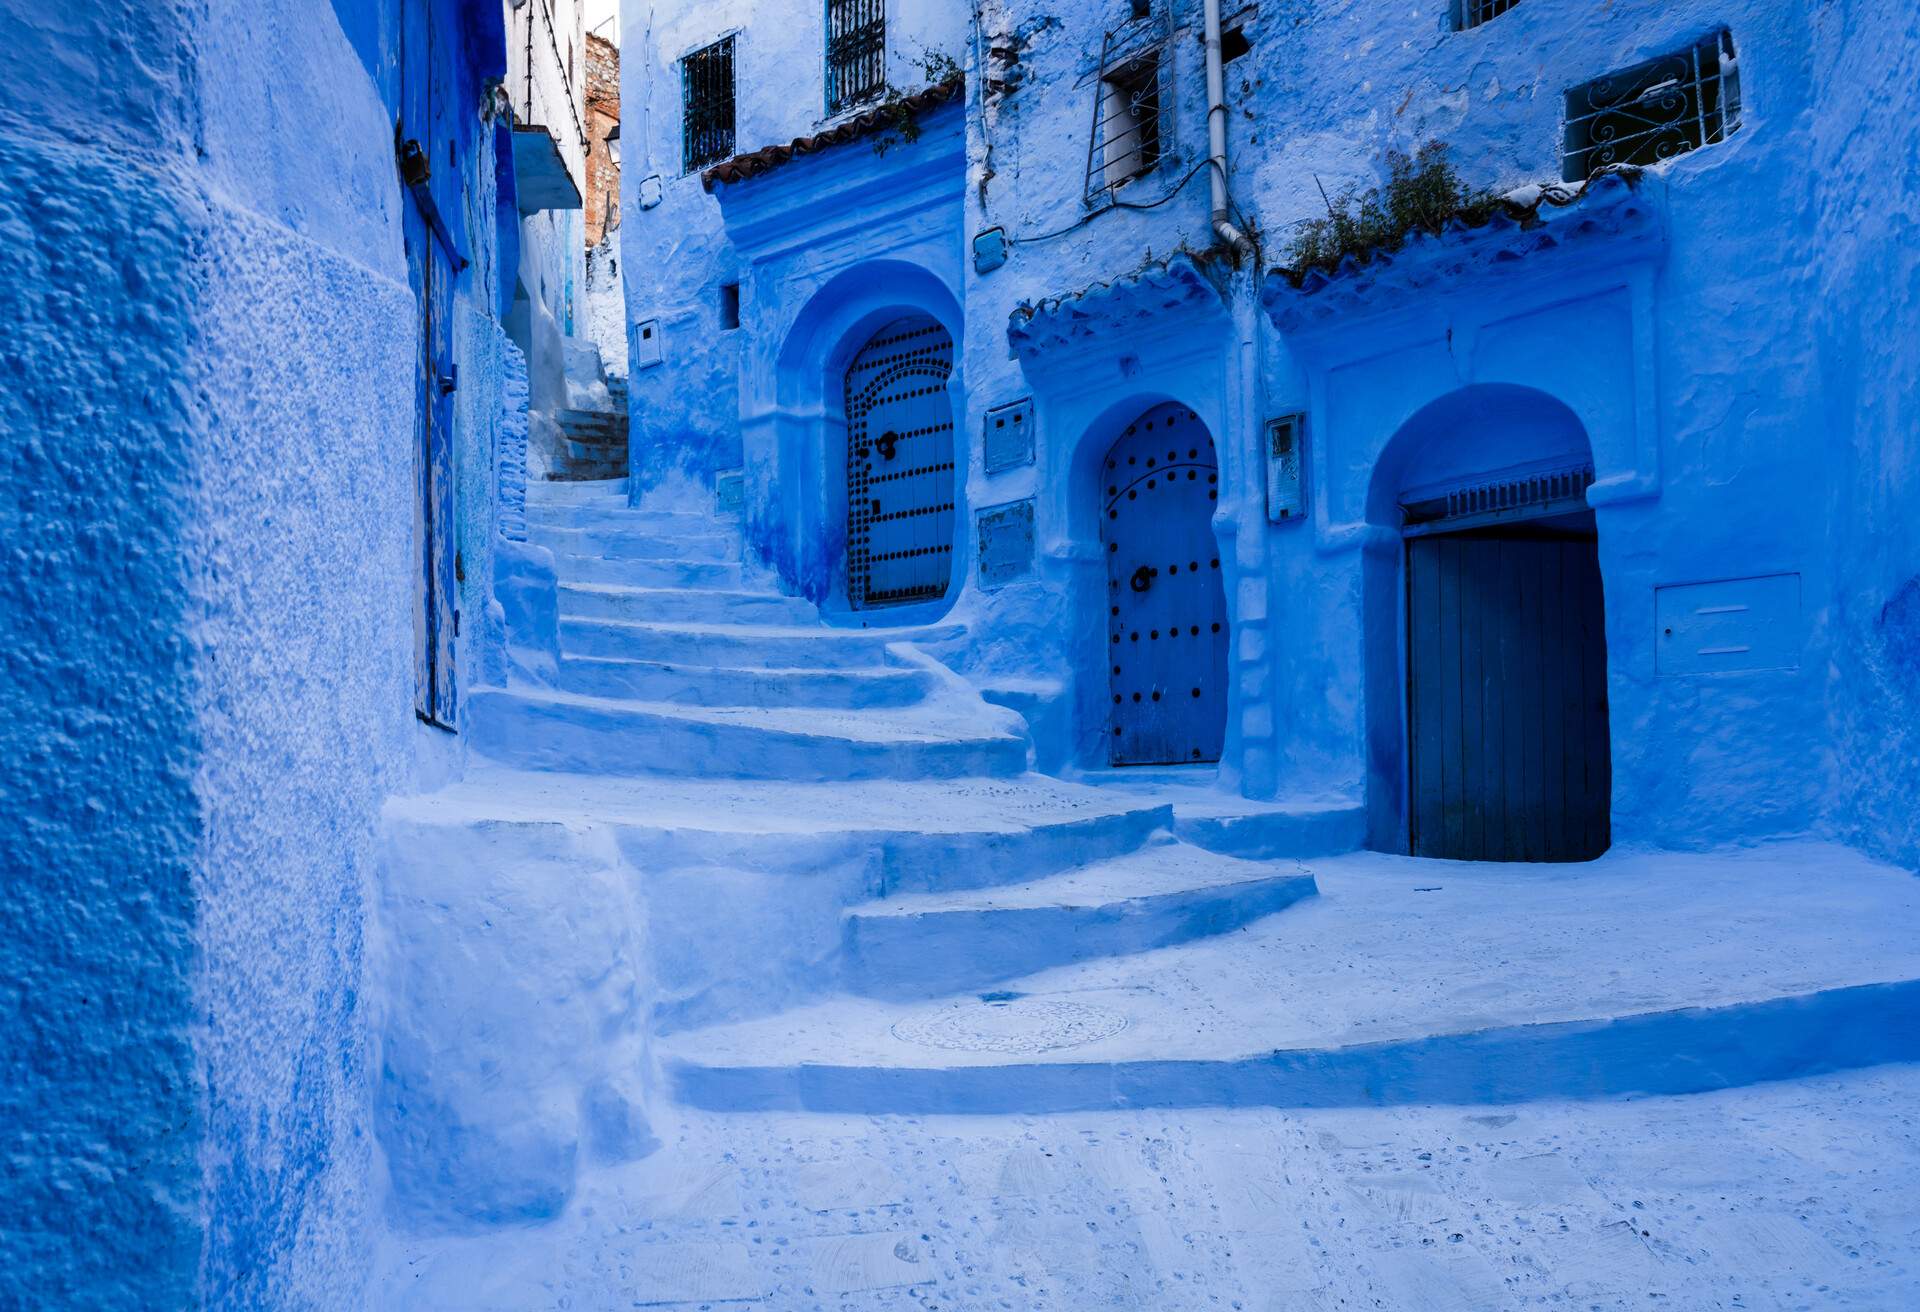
(1523, 224)
(1109, 308)
(867, 123)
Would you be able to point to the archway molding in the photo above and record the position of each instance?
(796, 438)
(1466, 436)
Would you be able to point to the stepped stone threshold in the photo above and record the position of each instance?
(906, 983)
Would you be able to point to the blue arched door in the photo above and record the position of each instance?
(900, 462)
(1166, 604)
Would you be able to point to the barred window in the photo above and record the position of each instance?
(1654, 111)
(1472, 13)
(856, 52)
(706, 102)
(1128, 137)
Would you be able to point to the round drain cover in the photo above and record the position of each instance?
(1012, 1025)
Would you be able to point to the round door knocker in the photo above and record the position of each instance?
(1143, 578)
(888, 442)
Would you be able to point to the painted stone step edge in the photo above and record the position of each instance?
(740, 647)
(648, 573)
(711, 685)
(681, 605)
(929, 945)
(584, 735)
(1658, 1053)
(633, 545)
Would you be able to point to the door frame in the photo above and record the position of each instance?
(1552, 491)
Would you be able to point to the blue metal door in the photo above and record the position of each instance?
(1166, 605)
(1507, 703)
(900, 466)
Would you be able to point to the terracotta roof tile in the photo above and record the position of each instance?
(867, 123)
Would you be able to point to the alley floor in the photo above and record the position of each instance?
(1777, 1196)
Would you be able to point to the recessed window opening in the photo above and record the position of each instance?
(1127, 126)
(1143, 8)
(1472, 13)
(729, 305)
(1234, 44)
(856, 52)
(707, 105)
(1654, 111)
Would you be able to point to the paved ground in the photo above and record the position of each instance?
(1783, 1196)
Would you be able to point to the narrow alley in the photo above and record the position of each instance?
(1181, 655)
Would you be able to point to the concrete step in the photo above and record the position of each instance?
(579, 421)
(609, 510)
(546, 498)
(587, 735)
(682, 605)
(648, 573)
(741, 647)
(615, 539)
(1403, 982)
(593, 450)
(588, 471)
(707, 685)
(928, 944)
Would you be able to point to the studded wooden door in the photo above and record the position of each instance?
(1166, 605)
(900, 466)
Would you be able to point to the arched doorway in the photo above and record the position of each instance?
(1508, 747)
(900, 466)
(1166, 605)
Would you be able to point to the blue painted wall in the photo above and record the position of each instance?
(99, 1101)
(209, 615)
(1711, 342)
(685, 411)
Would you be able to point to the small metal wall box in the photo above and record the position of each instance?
(650, 191)
(1006, 436)
(989, 250)
(647, 347)
(1006, 543)
(1286, 466)
(730, 491)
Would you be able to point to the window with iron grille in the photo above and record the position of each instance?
(856, 52)
(1472, 13)
(1654, 111)
(1127, 139)
(706, 105)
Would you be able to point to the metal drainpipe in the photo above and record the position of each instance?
(1217, 134)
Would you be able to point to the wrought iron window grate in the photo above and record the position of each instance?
(1472, 13)
(856, 52)
(1654, 111)
(1126, 141)
(706, 101)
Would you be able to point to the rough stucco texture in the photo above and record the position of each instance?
(97, 1101)
(1869, 55)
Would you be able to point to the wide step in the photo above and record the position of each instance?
(682, 605)
(923, 945)
(553, 731)
(741, 647)
(1405, 981)
(708, 685)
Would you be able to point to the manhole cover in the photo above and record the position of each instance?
(1015, 1025)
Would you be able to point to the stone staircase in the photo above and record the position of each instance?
(727, 854)
(593, 445)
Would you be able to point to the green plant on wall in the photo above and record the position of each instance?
(1423, 192)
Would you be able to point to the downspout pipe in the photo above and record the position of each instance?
(1217, 134)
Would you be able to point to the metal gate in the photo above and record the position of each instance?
(1166, 605)
(900, 466)
(1509, 749)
